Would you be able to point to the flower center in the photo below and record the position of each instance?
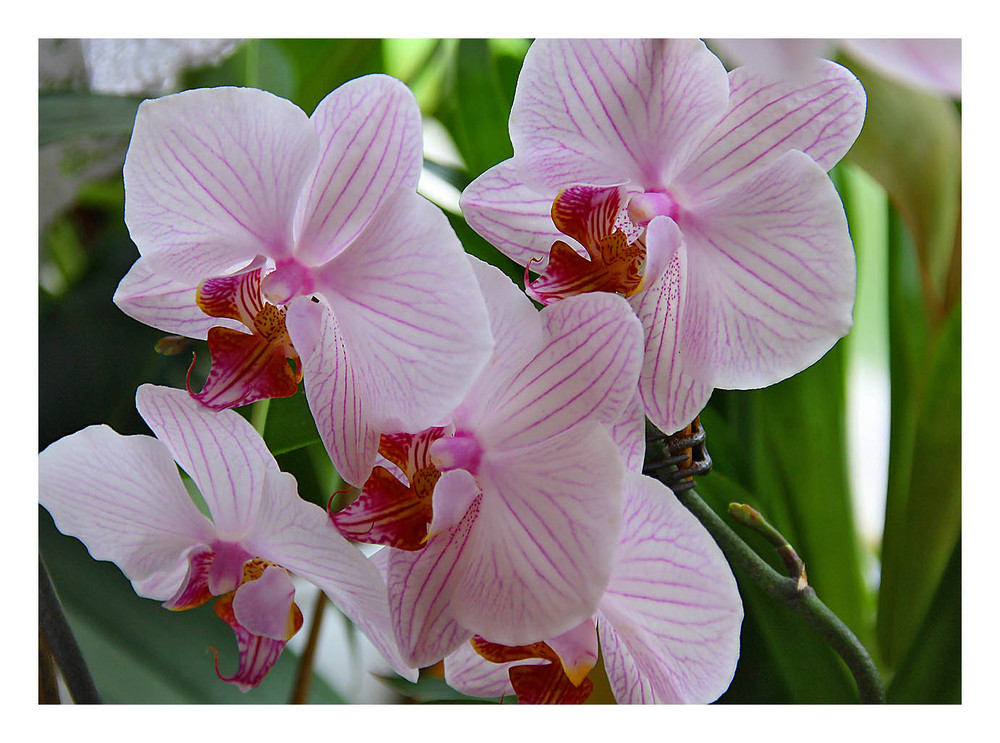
(644, 207)
(289, 279)
(461, 451)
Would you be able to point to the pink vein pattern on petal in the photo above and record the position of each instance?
(220, 450)
(605, 111)
(670, 620)
(539, 559)
(165, 303)
(671, 396)
(421, 586)
(123, 497)
(588, 369)
(510, 215)
(410, 312)
(213, 176)
(772, 277)
(370, 146)
(298, 536)
(335, 397)
(821, 115)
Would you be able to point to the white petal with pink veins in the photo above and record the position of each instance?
(123, 497)
(670, 620)
(213, 176)
(220, 450)
(607, 111)
(370, 146)
(410, 312)
(336, 398)
(771, 277)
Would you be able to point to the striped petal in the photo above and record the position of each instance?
(370, 146)
(819, 113)
(510, 215)
(298, 536)
(410, 312)
(220, 450)
(165, 303)
(538, 560)
(123, 497)
(213, 177)
(335, 393)
(587, 371)
(669, 622)
(771, 277)
(604, 112)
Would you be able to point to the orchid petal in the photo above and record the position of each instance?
(670, 620)
(545, 683)
(771, 277)
(422, 588)
(518, 336)
(213, 176)
(607, 111)
(165, 303)
(577, 650)
(387, 512)
(587, 370)
(671, 395)
(467, 672)
(264, 605)
(370, 146)
(123, 497)
(220, 450)
(539, 558)
(629, 434)
(298, 536)
(410, 312)
(510, 215)
(820, 113)
(333, 389)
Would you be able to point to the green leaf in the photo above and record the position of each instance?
(476, 106)
(931, 673)
(322, 65)
(140, 653)
(68, 115)
(911, 144)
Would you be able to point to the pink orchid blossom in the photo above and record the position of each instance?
(502, 521)
(124, 498)
(669, 621)
(642, 168)
(285, 238)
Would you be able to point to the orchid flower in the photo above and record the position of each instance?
(124, 498)
(502, 521)
(641, 168)
(669, 621)
(299, 248)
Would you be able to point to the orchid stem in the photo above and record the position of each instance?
(792, 591)
(258, 414)
(59, 637)
(300, 693)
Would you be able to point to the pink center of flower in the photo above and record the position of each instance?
(644, 207)
(289, 279)
(461, 451)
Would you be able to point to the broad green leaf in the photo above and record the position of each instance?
(923, 506)
(911, 144)
(931, 673)
(322, 65)
(65, 116)
(476, 106)
(140, 653)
